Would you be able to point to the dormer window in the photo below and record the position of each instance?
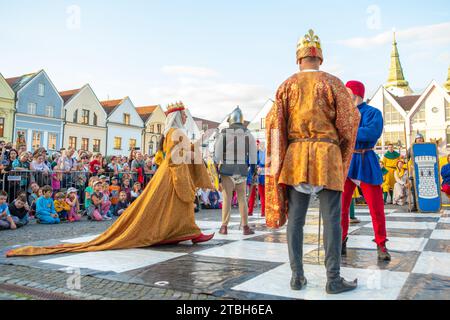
(126, 118)
(41, 89)
(85, 116)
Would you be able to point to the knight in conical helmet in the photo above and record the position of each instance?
(235, 155)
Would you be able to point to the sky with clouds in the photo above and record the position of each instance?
(216, 54)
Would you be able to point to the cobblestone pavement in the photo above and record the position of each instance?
(91, 288)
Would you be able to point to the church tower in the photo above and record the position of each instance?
(396, 83)
(447, 84)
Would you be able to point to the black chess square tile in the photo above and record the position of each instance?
(426, 287)
(438, 246)
(400, 233)
(363, 259)
(197, 274)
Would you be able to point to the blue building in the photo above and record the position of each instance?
(39, 112)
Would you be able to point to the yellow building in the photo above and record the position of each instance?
(154, 119)
(7, 109)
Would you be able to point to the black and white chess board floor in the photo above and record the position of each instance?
(257, 266)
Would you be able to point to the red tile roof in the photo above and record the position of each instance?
(110, 105)
(67, 95)
(407, 102)
(146, 112)
(11, 81)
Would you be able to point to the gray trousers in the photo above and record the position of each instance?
(330, 207)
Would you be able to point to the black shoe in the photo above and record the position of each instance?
(341, 285)
(383, 253)
(344, 247)
(298, 283)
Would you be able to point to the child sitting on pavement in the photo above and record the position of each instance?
(74, 204)
(45, 208)
(61, 206)
(136, 192)
(95, 209)
(19, 208)
(122, 205)
(32, 198)
(106, 204)
(6, 220)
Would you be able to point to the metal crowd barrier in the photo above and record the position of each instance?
(14, 182)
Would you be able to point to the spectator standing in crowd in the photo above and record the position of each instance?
(74, 204)
(67, 164)
(22, 165)
(42, 171)
(401, 182)
(114, 167)
(96, 164)
(45, 208)
(122, 204)
(137, 167)
(6, 220)
(20, 209)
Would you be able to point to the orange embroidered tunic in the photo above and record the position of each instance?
(308, 105)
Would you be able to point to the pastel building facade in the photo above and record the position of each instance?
(124, 127)
(7, 109)
(39, 118)
(154, 119)
(85, 125)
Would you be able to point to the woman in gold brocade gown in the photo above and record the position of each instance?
(164, 213)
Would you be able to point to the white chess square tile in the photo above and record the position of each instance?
(415, 215)
(253, 250)
(209, 225)
(433, 262)
(114, 260)
(373, 284)
(444, 220)
(441, 235)
(81, 239)
(394, 243)
(233, 235)
(407, 225)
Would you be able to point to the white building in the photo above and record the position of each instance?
(406, 114)
(85, 125)
(258, 125)
(154, 119)
(124, 126)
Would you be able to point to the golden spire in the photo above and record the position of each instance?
(396, 78)
(447, 84)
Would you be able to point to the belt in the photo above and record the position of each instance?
(362, 152)
(326, 140)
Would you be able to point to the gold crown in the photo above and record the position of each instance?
(178, 106)
(309, 40)
(309, 46)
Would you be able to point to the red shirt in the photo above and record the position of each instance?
(94, 166)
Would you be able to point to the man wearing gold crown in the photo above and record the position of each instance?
(311, 133)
